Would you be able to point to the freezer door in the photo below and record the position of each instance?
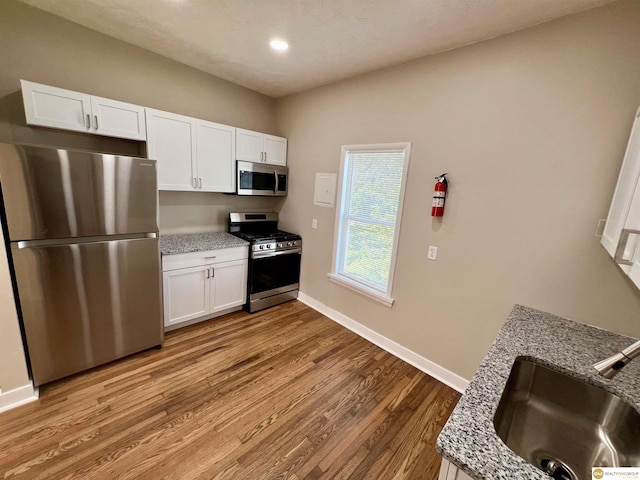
(87, 304)
(50, 193)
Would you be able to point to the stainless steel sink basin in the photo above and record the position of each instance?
(565, 426)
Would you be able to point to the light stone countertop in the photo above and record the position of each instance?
(469, 439)
(198, 242)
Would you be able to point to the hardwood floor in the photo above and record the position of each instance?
(282, 394)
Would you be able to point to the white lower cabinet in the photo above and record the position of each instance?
(227, 285)
(202, 285)
(448, 471)
(186, 294)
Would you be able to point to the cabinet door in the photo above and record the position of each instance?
(186, 294)
(228, 286)
(215, 153)
(117, 119)
(56, 107)
(275, 150)
(448, 471)
(171, 141)
(249, 146)
(617, 219)
(630, 237)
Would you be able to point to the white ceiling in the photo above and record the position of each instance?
(329, 39)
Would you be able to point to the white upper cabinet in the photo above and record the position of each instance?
(249, 146)
(54, 107)
(118, 119)
(621, 236)
(260, 147)
(170, 140)
(215, 152)
(275, 150)
(192, 154)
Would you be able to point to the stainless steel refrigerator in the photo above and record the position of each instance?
(83, 237)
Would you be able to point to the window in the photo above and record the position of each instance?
(372, 180)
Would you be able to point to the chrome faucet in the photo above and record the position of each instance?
(609, 367)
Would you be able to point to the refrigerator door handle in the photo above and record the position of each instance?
(79, 240)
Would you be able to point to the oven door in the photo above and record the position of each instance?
(273, 273)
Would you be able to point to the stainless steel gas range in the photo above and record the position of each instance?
(274, 259)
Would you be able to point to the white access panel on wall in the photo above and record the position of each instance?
(325, 191)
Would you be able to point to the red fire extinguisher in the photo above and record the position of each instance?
(439, 194)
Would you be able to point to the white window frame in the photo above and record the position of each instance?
(384, 297)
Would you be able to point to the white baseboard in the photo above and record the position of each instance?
(18, 396)
(427, 366)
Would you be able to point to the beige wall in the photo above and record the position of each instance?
(37, 46)
(187, 212)
(532, 128)
(13, 373)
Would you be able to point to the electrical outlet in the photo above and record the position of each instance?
(600, 227)
(432, 254)
(314, 223)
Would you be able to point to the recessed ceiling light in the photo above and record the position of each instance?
(279, 45)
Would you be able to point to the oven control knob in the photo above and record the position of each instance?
(279, 245)
(290, 244)
(268, 245)
(261, 247)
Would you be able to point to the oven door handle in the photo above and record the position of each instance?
(275, 254)
(275, 174)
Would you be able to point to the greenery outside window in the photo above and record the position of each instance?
(372, 184)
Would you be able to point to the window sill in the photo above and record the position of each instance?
(367, 292)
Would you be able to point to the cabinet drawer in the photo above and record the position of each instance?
(207, 257)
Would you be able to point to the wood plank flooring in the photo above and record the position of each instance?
(282, 394)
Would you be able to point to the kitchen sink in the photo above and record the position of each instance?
(563, 425)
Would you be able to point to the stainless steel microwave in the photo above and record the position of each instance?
(261, 179)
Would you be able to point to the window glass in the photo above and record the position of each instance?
(369, 211)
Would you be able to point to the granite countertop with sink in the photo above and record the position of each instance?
(469, 439)
(198, 242)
